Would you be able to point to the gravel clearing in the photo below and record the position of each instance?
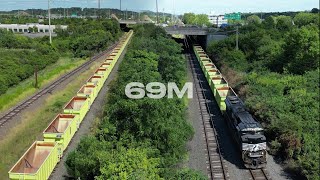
(96, 110)
(196, 147)
(229, 149)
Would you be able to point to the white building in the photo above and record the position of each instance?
(217, 20)
(25, 27)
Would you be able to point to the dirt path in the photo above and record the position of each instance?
(96, 110)
(196, 147)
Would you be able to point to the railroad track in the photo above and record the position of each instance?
(217, 169)
(48, 89)
(259, 174)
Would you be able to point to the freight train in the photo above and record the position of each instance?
(38, 162)
(246, 131)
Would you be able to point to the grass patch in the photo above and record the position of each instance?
(26, 88)
(34, 122)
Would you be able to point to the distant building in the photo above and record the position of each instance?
(25, 27)
(217, 20)
(56, 16)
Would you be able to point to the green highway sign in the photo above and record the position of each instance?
(234, 16)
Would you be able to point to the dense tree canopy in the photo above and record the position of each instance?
(276, 71)
(304, 19)
(284, 23)
(85, 37)
(196, 19)
(21, 56)
(254, 19)
(139, 138)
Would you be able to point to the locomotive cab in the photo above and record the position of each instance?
(253, 148)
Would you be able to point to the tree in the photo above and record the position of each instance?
(270, 22)
(253, 20)
(301, 49)
(35, 29)
(193, 19)
(188, 174)
(189, 18)
(304, 19)
(284, 23)
(30, 30)
(202, 19)
(128, 163)
(269, 51)
(236, 59)
(315, 10)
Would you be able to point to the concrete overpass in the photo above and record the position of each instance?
(127, 22)
(195, 31)
(191, 31)
(132, 22)
(203, 35)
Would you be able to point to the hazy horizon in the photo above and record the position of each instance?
(169, 6)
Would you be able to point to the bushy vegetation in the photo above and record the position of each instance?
(21, 56)
(278, 66)
(9, 19)
(85, 37)
(20, 137)
(196, 19)
(144, 138)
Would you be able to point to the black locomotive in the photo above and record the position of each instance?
(247, 132)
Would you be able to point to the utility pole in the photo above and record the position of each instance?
(36, 76)
(49, 14)
(99, 8)
(164, 19)
(139, 16)
(174, 12)
(237, 38)
(120, 9)
(157, 12)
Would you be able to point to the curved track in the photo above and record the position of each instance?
(216, 166)
(17, 109)
(259, 174)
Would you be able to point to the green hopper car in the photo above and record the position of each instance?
(79, 106)
(221, 95)
(37, 163)
(89, 91)
(61, 130)
(217, 82)
(103, 72)
(96, 81)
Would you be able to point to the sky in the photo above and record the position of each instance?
(172, 6)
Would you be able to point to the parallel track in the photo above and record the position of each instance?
(216, 166)
(259, 174)
(48, 89)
